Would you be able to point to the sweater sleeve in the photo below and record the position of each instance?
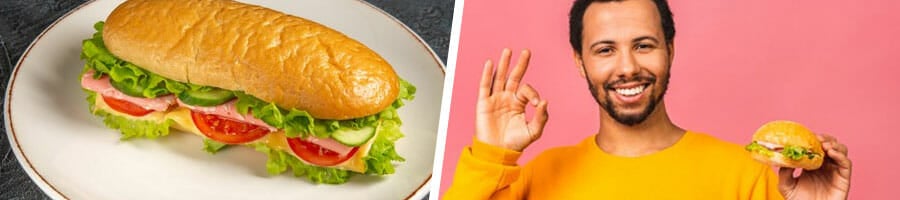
(766, 187)
(487, 172)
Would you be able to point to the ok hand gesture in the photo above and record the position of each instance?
(500, 115)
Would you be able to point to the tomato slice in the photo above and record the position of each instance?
(125, 107)
(315, 154)
(227, 130)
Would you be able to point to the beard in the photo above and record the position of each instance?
(613, 111)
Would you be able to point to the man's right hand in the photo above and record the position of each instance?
(500, 113)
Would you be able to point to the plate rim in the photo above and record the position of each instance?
(50, 190)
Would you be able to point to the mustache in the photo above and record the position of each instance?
(647, 79)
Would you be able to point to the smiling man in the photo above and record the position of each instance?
(624, 50)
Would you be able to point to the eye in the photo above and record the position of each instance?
(644, 47)
(604, 51)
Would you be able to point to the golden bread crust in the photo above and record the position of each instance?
(784, 133)
(287, 60)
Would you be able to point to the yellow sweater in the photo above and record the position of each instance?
(698, 166)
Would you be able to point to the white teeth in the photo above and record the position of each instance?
(630, 91)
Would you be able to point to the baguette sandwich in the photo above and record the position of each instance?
(315, 101)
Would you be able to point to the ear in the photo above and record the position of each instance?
(671, 48)
(579, 63)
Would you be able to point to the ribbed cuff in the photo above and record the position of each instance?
(494, 154)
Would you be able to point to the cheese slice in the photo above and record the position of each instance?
(275, 140)
(183, 121)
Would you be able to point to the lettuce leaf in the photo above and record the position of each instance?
(381, 155)
(380, 159)
(797, 153)
(212, 147)
(280, 161)
(756, 148)
(129, 128)
(293, 121)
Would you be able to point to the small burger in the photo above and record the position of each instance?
(787, 144)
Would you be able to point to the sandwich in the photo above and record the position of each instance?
(315, 101)
(787, 144)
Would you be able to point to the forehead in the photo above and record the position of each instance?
(625, 19)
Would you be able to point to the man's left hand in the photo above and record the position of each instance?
(831, 181)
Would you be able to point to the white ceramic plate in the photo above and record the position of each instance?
(71, 155)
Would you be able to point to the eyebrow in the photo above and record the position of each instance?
(601, 42)
(635, 40)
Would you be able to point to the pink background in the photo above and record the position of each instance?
(832, 65)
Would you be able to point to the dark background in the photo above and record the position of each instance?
(22, 21)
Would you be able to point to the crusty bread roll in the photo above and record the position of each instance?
(788, 133)
(287, 60)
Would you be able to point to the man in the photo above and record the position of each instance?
(624, 49)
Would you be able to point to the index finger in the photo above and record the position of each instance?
(840, 158)
(825, 138)
(484, 89)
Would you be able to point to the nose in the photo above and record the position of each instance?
(627, 66)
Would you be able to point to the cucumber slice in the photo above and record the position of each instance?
(206, 97)
(354, 137)
(134, 90)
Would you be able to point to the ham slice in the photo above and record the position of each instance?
(330, 144)
(228, 110)
(103, 87)
(770, 146)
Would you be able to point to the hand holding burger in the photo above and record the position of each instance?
(790, 145)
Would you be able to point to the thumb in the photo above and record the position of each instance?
(786, 180)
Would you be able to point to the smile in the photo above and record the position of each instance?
(632, 91)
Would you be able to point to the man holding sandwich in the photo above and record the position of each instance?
(624, 50)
